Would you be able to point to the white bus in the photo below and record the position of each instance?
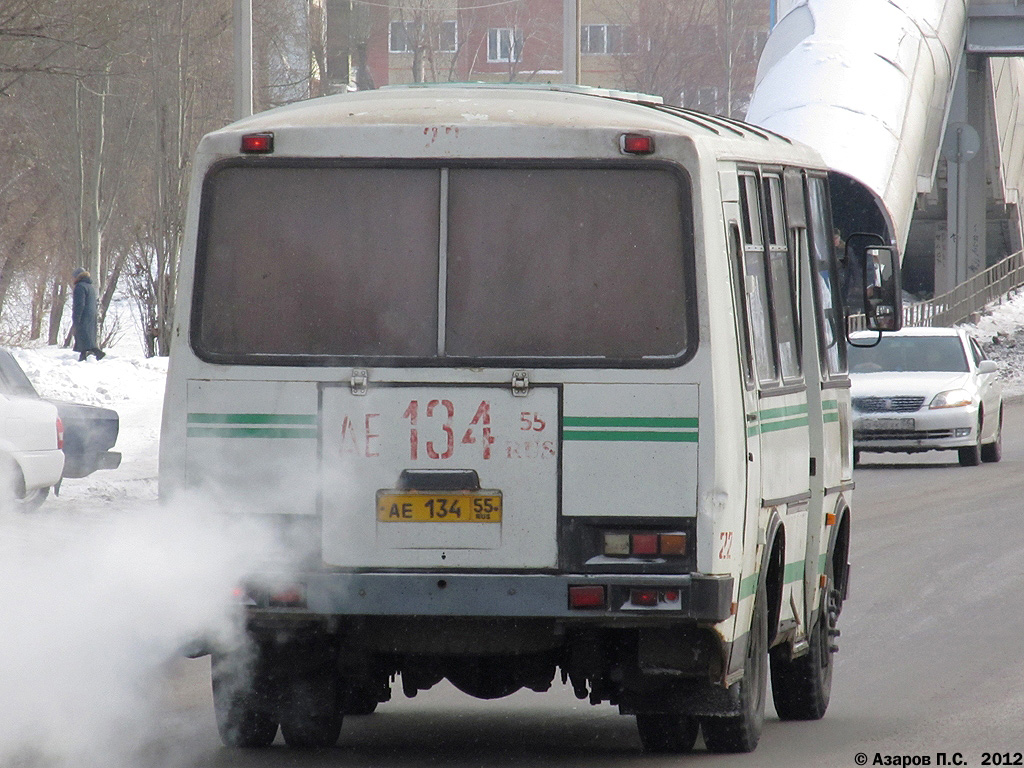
(542, 379)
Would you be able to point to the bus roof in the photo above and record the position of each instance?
(520, 104)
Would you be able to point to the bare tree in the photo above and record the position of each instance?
(187, 43)
(664, 43)
(427, 30)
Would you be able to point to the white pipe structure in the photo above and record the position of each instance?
(867, 84)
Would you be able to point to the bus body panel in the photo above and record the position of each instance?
(651, 430)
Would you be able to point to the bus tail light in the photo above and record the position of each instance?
(645, 598)
(587, 597)
(60, 434)
(291, 597)
(644, 544)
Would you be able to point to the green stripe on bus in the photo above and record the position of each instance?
(789, 410)
(251, 418)
(793, 572)
(778, 426)
(273, 432)
(830, 405)
(629, 436)
(630, 421)
(830, 418)
(748, 587)
(822, 562)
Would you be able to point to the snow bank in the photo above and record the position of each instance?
(103, 586)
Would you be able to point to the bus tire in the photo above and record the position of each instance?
(359, 701)
(239, 704)
(801, 687)
(311, 711)
(741, 732)
(667, 733)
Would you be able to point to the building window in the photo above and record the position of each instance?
(448, 37)
(504, 44)
(607, 38)
(401, 37)
(405, 36)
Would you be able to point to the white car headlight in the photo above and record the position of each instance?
(953, 398)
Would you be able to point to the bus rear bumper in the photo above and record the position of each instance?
(696, 597)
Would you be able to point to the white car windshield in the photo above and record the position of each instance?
(910, 353)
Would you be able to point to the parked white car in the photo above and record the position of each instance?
(925, 389)
(31, 439)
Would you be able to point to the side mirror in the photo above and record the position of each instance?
(875, 274)
(987, 366)
(883, 306)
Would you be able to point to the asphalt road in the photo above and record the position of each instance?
(931, 655)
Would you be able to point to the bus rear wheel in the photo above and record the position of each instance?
(667, 733)
(311, 711)
(241, 703)
(802, 687)
(741, 732)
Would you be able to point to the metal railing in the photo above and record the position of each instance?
(968, 299)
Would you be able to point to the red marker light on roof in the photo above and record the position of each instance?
(258, 143)
(636, 144)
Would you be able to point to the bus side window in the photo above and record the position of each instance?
(831, 318)
(779, 264)
(739, 300)
(759, 313)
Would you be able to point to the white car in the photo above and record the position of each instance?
(925, 389)
(31, 442)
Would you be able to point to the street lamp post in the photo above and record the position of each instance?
(243, 58)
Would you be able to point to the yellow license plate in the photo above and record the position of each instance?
(445, 507)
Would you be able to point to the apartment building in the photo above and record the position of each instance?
(700, 53)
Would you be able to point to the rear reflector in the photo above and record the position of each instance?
(60, 434)
(636, 144)
(288, 598)
(258, 143)
(587, 597)
(644, 597)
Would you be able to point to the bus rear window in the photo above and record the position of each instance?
(429, 265)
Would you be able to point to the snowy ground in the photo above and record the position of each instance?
(125, 381)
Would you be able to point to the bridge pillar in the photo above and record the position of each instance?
(965, 148)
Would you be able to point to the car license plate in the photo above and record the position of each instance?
(885, 425)
(432, 507)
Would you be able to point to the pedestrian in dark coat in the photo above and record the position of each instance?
(83, 316)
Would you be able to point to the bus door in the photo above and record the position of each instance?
(745, 351)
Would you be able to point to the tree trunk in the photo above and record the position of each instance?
(58, 295)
